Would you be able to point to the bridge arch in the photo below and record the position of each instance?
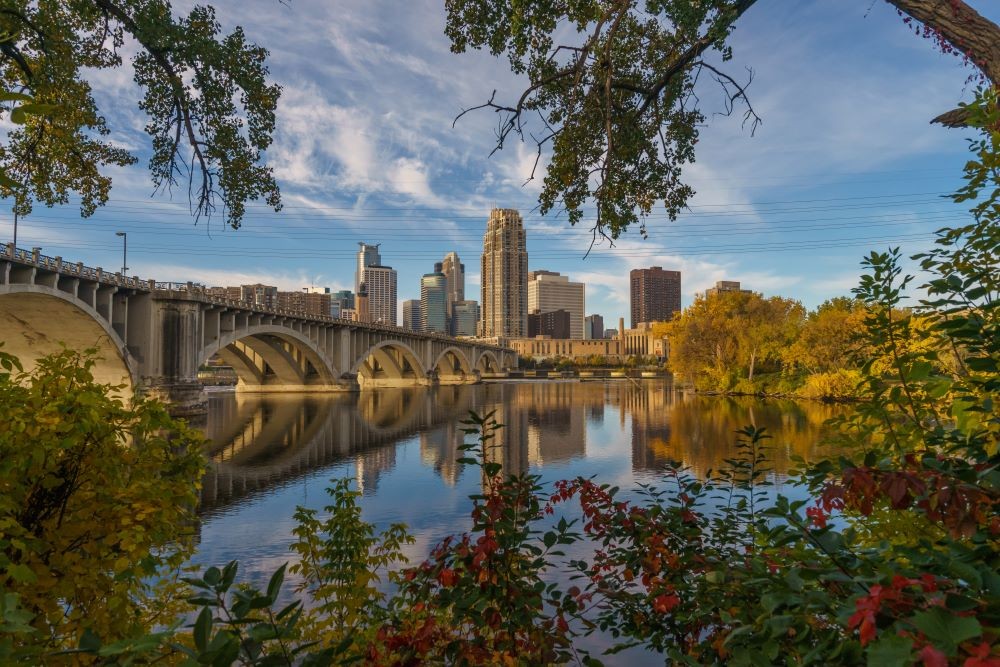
(452, 365)
(389, 363)
(38, 320)
(488, 362)
(270, 356)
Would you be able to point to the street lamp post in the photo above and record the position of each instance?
(124, 252)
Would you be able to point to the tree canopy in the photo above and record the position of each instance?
(611, 95)
(208, 103)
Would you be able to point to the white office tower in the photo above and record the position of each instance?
(548, 291)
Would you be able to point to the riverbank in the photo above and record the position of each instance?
(580, 374)
(791, 396)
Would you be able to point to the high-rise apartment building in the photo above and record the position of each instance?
(381, 284)
(593, 327)
(411, 314)
(434, 303)
(367, 256)
(454, 273)
(656, 294)
(504, 304)
(548, 291)
(464, 317)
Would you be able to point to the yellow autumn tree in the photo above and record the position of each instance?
(97, 500)
(729, 338)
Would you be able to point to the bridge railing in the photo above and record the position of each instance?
(35, 258)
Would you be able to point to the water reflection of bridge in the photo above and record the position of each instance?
(265, 441)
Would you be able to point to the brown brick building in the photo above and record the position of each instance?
(656, 294)
(555, 323)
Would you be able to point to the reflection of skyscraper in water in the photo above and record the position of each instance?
(369, 466)
(439, 450)
(649, 408)
(556, 424)
(509, 445)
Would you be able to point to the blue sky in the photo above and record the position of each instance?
(844, 162)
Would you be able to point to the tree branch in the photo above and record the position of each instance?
(962, 27)
(688, 57)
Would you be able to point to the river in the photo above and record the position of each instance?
(271, 453)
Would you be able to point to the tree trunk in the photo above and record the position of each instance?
(753, 360)
(967, 30)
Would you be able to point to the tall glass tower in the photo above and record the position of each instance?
(367, 256)
(433, 303)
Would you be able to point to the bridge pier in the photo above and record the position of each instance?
(184, 399)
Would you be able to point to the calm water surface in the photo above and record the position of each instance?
(272, 453)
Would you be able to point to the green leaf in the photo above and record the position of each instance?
(890, 651)
(22, 573)
(9, 96)
(274, 586)
(945, 629)
(203, 629)
(213, 576)
(89, 641)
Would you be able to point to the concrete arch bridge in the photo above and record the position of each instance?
(154, 336)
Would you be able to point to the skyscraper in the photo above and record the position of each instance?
(454, 273)
(367, 256)
(342, 302)
(548, 292)
(381, 282)
(464, 316)
(656, 294)
(593, 327)
(411, 314)
(364, 308)
(433, 303)
(504, 304)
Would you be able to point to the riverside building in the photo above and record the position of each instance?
(411, 314)
(454, 273)
(504, 304)
(655, 295)
(434, 303)
(549, 291)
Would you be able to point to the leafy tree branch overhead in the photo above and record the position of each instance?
(209, 105)
(612, 96)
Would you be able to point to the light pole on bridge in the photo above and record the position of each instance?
(124, 252)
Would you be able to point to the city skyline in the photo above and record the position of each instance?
(782, 211)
